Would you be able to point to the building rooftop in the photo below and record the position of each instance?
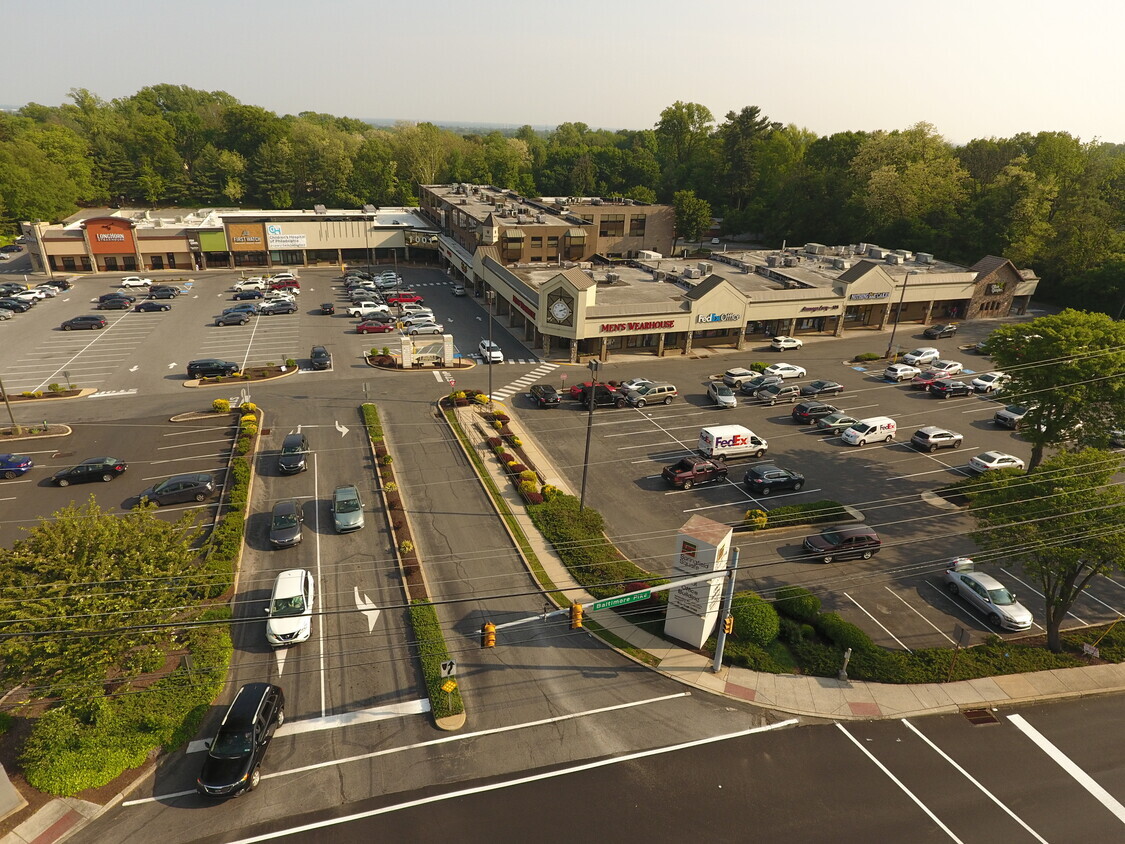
(212, 218)
(511, 209)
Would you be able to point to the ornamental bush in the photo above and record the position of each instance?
(494, 442)
(798, 603)
(516, 468)
(480, 398)
(755, 620)
(515, 441)
(527, 488)
(220, 406)
(550, 491)
(529, 475)
(243, 445)
(247, 408)
(867, 356)
(55, 388)
(755, 519)
(406, 547)
(843, 634)
(388, 460)
(497, 424)
(534, 498)
(506, 458)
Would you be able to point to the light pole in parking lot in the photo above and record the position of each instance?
(594, 365)
(898, 313)
(16, 429)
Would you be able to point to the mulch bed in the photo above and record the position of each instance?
(254, 373)
(61, 394)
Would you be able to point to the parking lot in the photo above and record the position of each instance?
(898, 595)
(148, 352)
(154, 449)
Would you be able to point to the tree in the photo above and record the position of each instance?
(77, 587)
(1064, 522)
(739, 137)
(693, 216)
(1069, 368)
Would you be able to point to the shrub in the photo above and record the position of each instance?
(458, 396)
(506, 458)
(497, 424)
(494, 442)
(811, 512)
(387, 460)
(502, 418)
(480, 398)
(867, 356)
(220, 406)
(385, 351)
(390, 486)
(534, 498)
(243, 445)
(290, 362)
(550, 491)
(515, 441)
(529, 475)
(526, 488)
(247, 408)
(55, 388)
(28, 394)
(755, 519)
(432, 652)
(406, 547)
(516, 468)
(755, 620)
(759, 366)
(798, 603)
(843, 633)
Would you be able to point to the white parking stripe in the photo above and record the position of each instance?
(1036, 591)
(973, 780)
(899, 783)
(913, 610)
(1064, 762)
(873, 618)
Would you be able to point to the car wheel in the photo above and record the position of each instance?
(9, 475)
(107, 477)
(67, 327)
(640, 403)
(932, 449)
(764, 491)
(255, 778)
(867, 554)
(689, 484)
(165, 307)
(827, 558)
(199, 496)
(759, 452)
(63, 482)
(945, 395)
(280, 717)
(994, 619)
(797, 486)
(668, 400)
(792, 399)
(218, 322)
(889, 438)
(951, 588)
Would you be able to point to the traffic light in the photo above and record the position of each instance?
(575, 616)
(728, 624)
(488, 635)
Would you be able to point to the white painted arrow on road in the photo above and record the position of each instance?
(133, 368)
(280, 654)
(365, 606)
(172, 365)
(343, 433)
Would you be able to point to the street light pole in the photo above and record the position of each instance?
(594, 365)
(488, 297)
(898, 313)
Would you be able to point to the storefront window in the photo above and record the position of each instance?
(249, 259)
(157, 262)
(85, 263)
(67, 262)
(287, 256)
(110, 263)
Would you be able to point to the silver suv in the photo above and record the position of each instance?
(1011, 416)
(659, 392)
(931, 438)
(774, 393)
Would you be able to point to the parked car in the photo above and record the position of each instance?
(633, 384)
(280, 307)
(403, 296)
(990, 461)
(766, 478)
(835, 422)
(375, 327)
(10, 304)
(128, 297)
(285, 524)
(420, 318)
(458, 289)
(544, 395)
(233, 318)
(210, 367)
(931, 438)
(782, 343)
(990, 382)
(14, 465)
(839, 543)
(922, 356)
(923, 380)
(807, 412)
(135, 281)
(163, 294)
(942, 329)
(785, 370)
(690, 471)
(294, 454)
(243, 308)
(290, 285)
(949, 367)
(89, 321)
(1011, 416)
(320, 358)
(721, 394)
(426, 328)
(985, 593)
(752, 386)
(179, 489)
(774, 393)
(412, 308)
(47, 291)
(347, 509)
(252, 283)
(901, 372)
(95, 469)
(247, 295)
(660, 391)
(600, 395)
(739, 375)
(6, 314)
(115, 304)
(146, 307)
(164, 288)
(822, 388)
(284, 275)
(278, 296)
(234, 756)
(367, 306)
(946, 388)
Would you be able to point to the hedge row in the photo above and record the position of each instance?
(371, 420)
(70, 750)
(432, 652)
(809, 513)
(578, 537)
(226, 537)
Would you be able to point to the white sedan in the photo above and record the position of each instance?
(987, 595)
(785, 370)
(634, 384)
(48, 290)
(990, 461)
(135, 281)
(782, 343)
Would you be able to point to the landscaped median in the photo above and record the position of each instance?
(446, 706)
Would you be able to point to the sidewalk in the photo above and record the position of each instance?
(812, 697)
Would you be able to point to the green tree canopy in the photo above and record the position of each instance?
(693, 215)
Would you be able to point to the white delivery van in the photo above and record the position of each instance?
(870, 430)
(730, 441)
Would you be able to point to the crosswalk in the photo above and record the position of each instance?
(521, 384)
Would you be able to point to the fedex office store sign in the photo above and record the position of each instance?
(708, 318)
(277, 239)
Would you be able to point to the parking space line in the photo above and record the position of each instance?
(196, 431)
(1023, 582)
(873, 618)
(961, 607)
(749, 500)
(913, 610)
(191, 444)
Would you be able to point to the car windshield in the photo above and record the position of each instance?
(1015, 409)
(723, 390)
(1001, 597)
(291, 449)
(284, 520)
(832, 537)
(347, 505)
(289, 606)
(230, 744)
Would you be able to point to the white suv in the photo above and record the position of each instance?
(780, 344)
(490, 352)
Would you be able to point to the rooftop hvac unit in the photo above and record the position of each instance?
(692, 272)
(924, 258)
(539, 218)
(705, 268)
(893, 259)
(772, 260)
(612, 278)
(861, 248)
(905, 253)
(659, 275)
(841, 264)
(816, 249)
(876, 253)
(790, 261)
(589, 272)
(596, 201)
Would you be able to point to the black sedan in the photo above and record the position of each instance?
(944, 329)
(14, 465)
(91, 321)
(128, 297)
(281, 307)
(807, 412)
(247, 294)
(821, 388)
(545, 395)
(180, 488)
(285, 524)
(115, 304)
(210, 367)
(95, 469)
(765, 478)
(10, 304)
(145, 307)
(945, 389)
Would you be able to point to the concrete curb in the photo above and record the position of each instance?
(25, 400)
(51, 436)
(194, 383)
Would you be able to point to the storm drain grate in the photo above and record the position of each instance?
(266, 432)
(977, 717)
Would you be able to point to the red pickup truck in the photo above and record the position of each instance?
(694, 470)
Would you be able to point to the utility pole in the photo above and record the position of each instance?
(594, 365)
(724, 613)
(16, 429)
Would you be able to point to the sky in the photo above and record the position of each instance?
(973, 69)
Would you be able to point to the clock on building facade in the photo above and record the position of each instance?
(560, 308)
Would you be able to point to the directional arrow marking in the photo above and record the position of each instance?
(280, 653)
(133, 368)
(365, 606)
(172, 365)
(343, 429)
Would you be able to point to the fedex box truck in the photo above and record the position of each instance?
(722, 441)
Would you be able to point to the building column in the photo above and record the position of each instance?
(546, 345)
(929, 310)
(740, 343)
(603, 352)
(574, 350)
(838, 331)
(687, 342)
(792, 327)
(660, 345)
